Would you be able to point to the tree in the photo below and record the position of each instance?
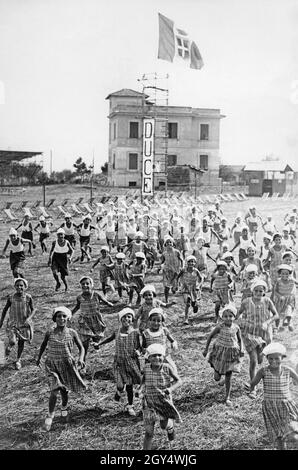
(81, 167)
(104, 168)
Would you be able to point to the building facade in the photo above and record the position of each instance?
(270, 177)
(192, 138)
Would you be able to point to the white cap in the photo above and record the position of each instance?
(284, 266)
(251, 268)
(156, 348)
(139, 234)
(275, 348)
(87, 277)
(104, 247)
(87, 216)
(62, 309)
(259, 282)
(159, 311)
(13, 231)
(140, 254)
(60, 230)
(120, 255)
(21, 279)
(126, 311)
(42, 218)
(148, 288)
(190, 258)
(231, 307)
(227, 254)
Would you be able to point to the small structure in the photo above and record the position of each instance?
(269, 177)
(184, 177)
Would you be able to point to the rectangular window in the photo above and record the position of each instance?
(114, 161)
(133, 161)
(204, 132)
(173, 130)
(132, 183)
(133, 130)
(172, 160)
(204, 162)
(115, 135)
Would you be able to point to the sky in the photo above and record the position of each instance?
(60, 59)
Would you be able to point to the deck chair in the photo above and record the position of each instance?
(224, 198)
(239, 198)
(21, 206)
(79, 200)
(62, 212)
(43, 212)
(8, 205)
(208, 199)
(245, 198)
(86, 206)
(75, 209)
(35, 205)
(265, 196)
(10, 217)
(28, 212)
(63, 203)
(50, 203)
(230, 197)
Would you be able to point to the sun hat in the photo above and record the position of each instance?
(148, 288)
(21, 279)
(61, 309)
(191, 258)
(120, 256)
(126, 311)
(274, 348)
(251, 268)
(157, 310)
(156, 348)
(259, 282)
(60, 230)
(13, 231)
(87, 277)
(285, 266)
(231, 307)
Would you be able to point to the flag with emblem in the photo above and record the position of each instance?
(175, 43)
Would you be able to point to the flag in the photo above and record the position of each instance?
(174, 42)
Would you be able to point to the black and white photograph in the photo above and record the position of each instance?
(148, 228)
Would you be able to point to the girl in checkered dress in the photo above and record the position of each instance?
(159, 381)
(280, 412)
(191, 281)
(120, 274)
(19, 325)
(127, 372)
(60, 365)
(284, 296)
(274, 257)
(150, 301)
(255, 317)
(171, 264)
(220, 286)
(137, 271)
(227, 348)
(91, 325)
(105, 265)
(158, 333)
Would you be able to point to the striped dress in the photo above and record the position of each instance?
(156, 404)
(159, 337)
(251, 323)
(120, 275)
(283, 297)
(60, 364)
(142, 315)
(220, 288)
(90, 320)
(21, 307)
(224, 356)
(278, 407)
(104, 271)
(275, 260)
(190, 282)
(126, 365)
(171, 268)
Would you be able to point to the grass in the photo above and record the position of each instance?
(96, 421)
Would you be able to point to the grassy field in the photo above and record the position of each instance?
(96, 421)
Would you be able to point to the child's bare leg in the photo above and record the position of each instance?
(21, 344)
(52, 401)
(253, 359)
(63, 278)
(217, 308)
(129, 392)
(149, 433)
(167, 291)
(186, 311)
(86, 344)
(131, 294)
(228, 387)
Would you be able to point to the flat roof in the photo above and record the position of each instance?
(7, 156)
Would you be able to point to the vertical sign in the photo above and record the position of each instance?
(148, 154)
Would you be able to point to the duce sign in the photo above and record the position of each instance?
(148, 153)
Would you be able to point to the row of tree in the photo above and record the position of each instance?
(32, 173)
